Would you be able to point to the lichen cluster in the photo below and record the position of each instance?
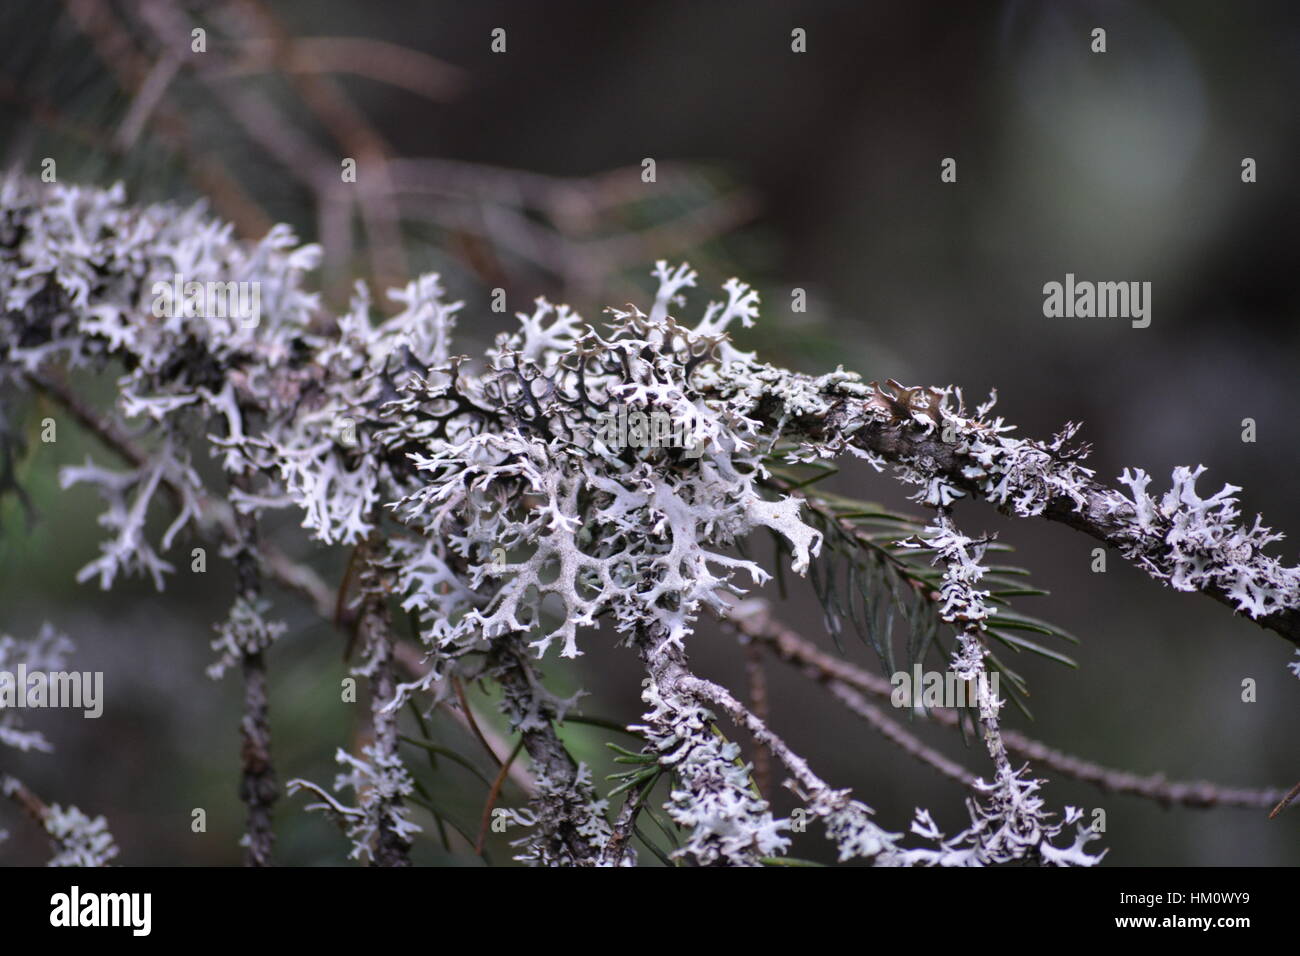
(486, 497)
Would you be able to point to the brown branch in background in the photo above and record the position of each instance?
(791, 647)
(316, 168)
(50, 115)
(334, 233)
(892, 731)
(260, 120)
(70, 843)
(1285, 802)
(713, 219)
(498, 227)
(106, 430)
(493, 203)
(473, 724)
(585, 244)
(298, 578)
(350, 128)
(410, 658)
(30, 803)
(147, 99)
(573, 201)
(403, 67)
(493, 793)
(117, 51)
(459, 179)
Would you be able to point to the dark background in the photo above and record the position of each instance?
(1122, 166)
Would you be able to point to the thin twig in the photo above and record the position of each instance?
(625, 825)
(31, 804)
(788, 645)
(894, 733)
(473, 724)
(258, 788)
(117, 50)
(411, 659)
(1285, 802)
(493, 792)
(391, 63)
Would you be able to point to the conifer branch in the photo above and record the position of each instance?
(516, 513)
(844, 680)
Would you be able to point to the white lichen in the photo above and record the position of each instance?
(508, 514)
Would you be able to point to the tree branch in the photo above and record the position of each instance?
(392, 845)
(570, 829)
(842, 678)
(938, 448)
(258, 787)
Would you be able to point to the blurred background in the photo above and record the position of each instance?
(817, 171)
